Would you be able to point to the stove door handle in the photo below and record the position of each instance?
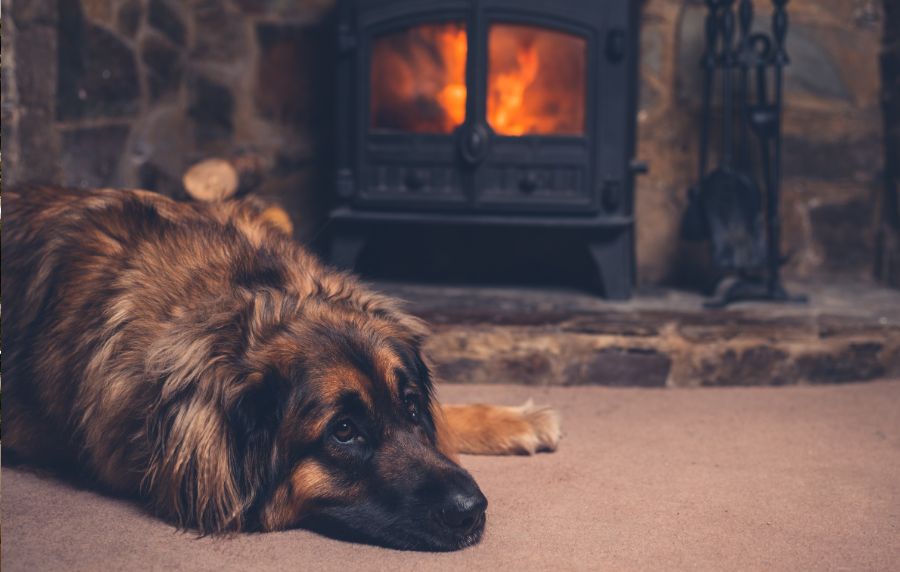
(474, 143)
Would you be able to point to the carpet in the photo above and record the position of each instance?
(736, 479)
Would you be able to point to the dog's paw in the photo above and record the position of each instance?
(542, 428)
(501, 429)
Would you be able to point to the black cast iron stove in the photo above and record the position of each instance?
(509, 113)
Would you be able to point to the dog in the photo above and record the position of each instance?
(194, 356)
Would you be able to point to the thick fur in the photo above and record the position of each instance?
(498, 430)
(194, 355)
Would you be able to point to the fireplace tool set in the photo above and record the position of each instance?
(728, 206)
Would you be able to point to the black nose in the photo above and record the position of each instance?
(463, 511)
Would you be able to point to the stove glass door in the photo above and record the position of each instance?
(418, 79)
(536, 81)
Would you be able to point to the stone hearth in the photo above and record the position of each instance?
(661, 338)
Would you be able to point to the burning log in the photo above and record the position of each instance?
(218, 179)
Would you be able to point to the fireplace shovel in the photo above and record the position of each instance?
(729, 199)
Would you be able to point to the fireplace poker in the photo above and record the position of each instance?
(731, 201)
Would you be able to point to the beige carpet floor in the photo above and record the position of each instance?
(797, 478)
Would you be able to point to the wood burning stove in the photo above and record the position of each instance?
(489, 112)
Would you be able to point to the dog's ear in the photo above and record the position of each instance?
(413, 329)
(256, 411)
(409, 328)
(254, 417)
(215, 453)
(190, 474)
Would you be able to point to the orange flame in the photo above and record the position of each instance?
(536, 80)
(453, 46)
(418, 79)
(506, 110)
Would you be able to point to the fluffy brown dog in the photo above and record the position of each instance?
(193, 355)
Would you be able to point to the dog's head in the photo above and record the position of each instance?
(330, 423)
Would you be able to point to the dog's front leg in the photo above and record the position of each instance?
(499, 430)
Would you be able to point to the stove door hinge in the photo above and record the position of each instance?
(346, 40)
(638, 167)
(611, 194)
(615, 45)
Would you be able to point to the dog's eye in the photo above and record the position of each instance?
(345, 431)
(411, 403)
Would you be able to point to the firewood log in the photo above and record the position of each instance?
(218, 179)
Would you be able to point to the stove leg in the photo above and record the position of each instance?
(613, 271)
(345, 248)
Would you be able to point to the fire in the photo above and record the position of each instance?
(536, 80)
(506, 99)
(418, 79)
(453, 46)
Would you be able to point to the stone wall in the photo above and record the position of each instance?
(30, 138)
(131, 92)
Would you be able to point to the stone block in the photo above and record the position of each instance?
(755, 365)
(736, 325)
(253, 6)
(308, 11)
(128, 17)
(97, 71)
(9, 132)
(649, 96)
(220, 32)
(99, 166)
(520, 367)
(890, 357)
(98, 11)
(162, 65)
(843, 235)
(286, 81)
(152, 177)
(211, 106)
(651, 49)
(162, 16)
(532, 368)
(617, 366)
(811, 156)
(9, 108)
(855, 362)
(38, 146)
(34, 12)
(458, 370)
(618, 324)
(812, 71)
(35, 53)
(161, 147)
(836, 326)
